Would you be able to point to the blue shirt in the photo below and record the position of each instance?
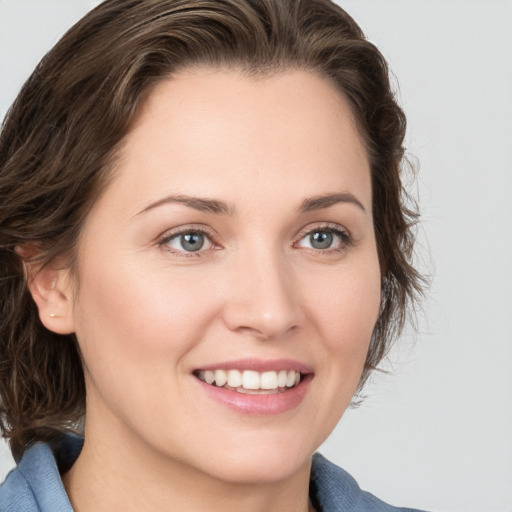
(35, 484)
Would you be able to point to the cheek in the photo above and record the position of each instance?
(347, 307)
(136, 321)
(346, 311)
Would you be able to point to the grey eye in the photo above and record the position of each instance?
(191, 242)
(321, 239)
(324, 239)
(188, 241)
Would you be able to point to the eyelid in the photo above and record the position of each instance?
(341, 231)
(167, 235)
(170, 234)
(321, 226)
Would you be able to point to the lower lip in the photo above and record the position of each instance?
(261, 405)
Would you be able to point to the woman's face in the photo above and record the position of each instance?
(235, 241)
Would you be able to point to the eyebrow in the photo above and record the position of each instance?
(201, 204)
(324, 201)
(215, 206)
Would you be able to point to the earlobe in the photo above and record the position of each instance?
(52, 292)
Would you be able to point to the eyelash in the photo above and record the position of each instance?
(345, 239)
(189, 230)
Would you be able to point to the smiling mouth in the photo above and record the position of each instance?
(250, 381)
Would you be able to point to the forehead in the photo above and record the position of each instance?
(204, 129)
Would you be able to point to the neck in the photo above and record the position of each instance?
(115, 473)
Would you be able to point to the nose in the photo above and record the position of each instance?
(262, 299)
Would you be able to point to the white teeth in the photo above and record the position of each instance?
(281, 379)
(221, 377)
(251, 380)
(269, 380)
(290, 379)
(234, 379)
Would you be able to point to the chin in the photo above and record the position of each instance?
(259, 463)
(262, 472)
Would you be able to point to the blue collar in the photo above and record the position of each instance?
(36, 486)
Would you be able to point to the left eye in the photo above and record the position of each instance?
(190, 241)
(322, 239)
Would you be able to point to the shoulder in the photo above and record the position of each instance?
(18, 492)
(35, 484)
(15, 494)
(336, 491)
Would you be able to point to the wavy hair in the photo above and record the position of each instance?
(61, 136)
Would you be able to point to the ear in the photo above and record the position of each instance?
(52, 292)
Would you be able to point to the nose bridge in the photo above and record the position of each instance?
(262, 299)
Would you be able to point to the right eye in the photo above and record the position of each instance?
(192, 241)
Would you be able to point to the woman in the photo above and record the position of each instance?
(205, 252)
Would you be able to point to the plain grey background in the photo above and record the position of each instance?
(436, 432)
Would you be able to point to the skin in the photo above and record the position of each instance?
(148, 314)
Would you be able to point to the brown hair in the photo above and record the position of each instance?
(60, 138)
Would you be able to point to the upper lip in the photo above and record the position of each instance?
(259, 365)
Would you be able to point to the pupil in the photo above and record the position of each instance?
(192, 242)
(321, 240)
